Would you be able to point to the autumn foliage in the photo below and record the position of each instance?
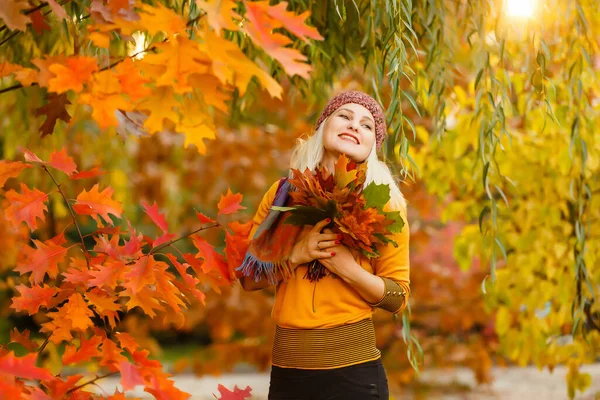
(83, 291)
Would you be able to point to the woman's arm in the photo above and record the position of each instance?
(250, 285)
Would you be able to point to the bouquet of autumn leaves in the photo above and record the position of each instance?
(356, 211)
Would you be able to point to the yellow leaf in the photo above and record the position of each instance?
(502, 320)
(161, 106)
(100, 39)
(219, 13)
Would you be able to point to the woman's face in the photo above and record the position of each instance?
(350, 130)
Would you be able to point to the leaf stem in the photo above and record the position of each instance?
(72, 215)
(169, 243)
(92, 381)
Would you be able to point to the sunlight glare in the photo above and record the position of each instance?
(140, 45)
(520, 8)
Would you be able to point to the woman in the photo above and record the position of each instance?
(324, 346)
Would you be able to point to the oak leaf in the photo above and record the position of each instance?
(42, 260)
(10, 169)
(72, 75)
(87, 350)
(32, 298)
(111, 355)
(92, 173)
(26, 206)
(54, 110)
(97, 203)
(127, 342)
(11, 13)
(212, 259)
(22, 367)
(219, 13)
(145, 299)
(39, 22)
(237, 394)
(63, 162)
(230, 203)
(104, 304)
(23, 339)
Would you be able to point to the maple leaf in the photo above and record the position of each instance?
(44, 259)
(104, 106)
(23, 339)
(344, 173)
(142, 273)
(189, 280)
(11, 13)
(230, 203)
(131, 80)
(219, 13)
(78, 312)
(92, 173)
(145, 299)
(26, 206)
(54, 110)
(10, 169)
(96, 203)
(32, 298)
(292, 22)
(77, 71)
(57, 9)
(87, 350)
(108, 274)
(161, 19)
(63, 162)
(130, 377)
(260, 26)
(237, 394)
(111, 355)
(164, 389)
(58, 388)
(161, 105)
(23, 367)
(156, 216)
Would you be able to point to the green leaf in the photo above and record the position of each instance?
(279, 208)
(398, 224)
(377, 196)
(385, 240)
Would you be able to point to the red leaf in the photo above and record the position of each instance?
(38, 21)
(130, 377)
(203, 218)
(156, 216)
(26, 206)
(32, 298)
(87, 350)
(54, 110)
(237, 394)
(294, 23)
(44, 259)
(23, 339)
(96, 203)
(212, 259)
(10, 169)
(63, 162)
(23, 367)
(230, 203)
(189, 280)
(92, 173)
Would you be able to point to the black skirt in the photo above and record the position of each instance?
(366, 381)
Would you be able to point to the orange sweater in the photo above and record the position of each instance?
(331, 309)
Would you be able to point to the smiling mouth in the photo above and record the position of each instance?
(347, 136)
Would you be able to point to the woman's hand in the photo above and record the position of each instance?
(342, 263)
(314, 245)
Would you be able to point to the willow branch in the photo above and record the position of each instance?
(72, 214)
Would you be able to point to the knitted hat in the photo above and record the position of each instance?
(364, 100)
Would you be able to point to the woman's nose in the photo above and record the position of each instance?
(354, 125)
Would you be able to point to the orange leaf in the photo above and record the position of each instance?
(161, 19)
(92, 173)
(107, 274)
(23, 339)
(105, 305)
(127, 342)
(145, 299)
(11, 13)
(26, 206)
(96, 203)
(142, 273)
(63, 162)
(10, 169)
(164, 388)
(23, 367)
(77, 71)
(156, 216)
(189, 280)
(132, 82)
(43, 259)
(292, 22)
(212, 259)
(230, 203)
(32, 298)
(111, 355)
(79, 313)
(87, 350)
(219, 13)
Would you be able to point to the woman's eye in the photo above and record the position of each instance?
(368, 127)
(344, 116)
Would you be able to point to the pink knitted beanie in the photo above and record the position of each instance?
(364, 100)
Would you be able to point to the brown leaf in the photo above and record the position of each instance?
(53, 110)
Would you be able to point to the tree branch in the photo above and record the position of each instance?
(90, 382)
(72, 215)
(587, 309)
(34, 9)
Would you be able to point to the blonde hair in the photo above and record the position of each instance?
(308, 153)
